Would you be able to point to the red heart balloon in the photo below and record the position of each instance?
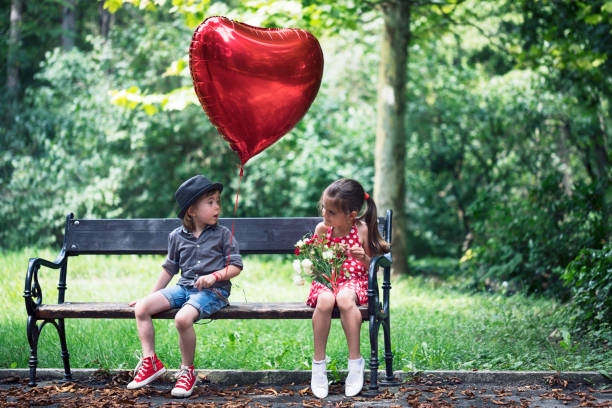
(255, 84)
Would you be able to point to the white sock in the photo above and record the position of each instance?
(319, 365)
(356, 362)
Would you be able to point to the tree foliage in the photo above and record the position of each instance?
(507, 127)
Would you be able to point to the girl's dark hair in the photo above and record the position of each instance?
(349, 195)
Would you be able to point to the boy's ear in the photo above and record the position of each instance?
(190, 210)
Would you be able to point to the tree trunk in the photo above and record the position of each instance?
(106, 20)
(13, 84)
(68, 24)
(389, 182)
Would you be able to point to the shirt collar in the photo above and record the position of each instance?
(190, 234)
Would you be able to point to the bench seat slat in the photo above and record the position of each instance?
(239, 310)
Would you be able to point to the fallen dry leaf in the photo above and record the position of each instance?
(503, 393)
(469, 393)
(102, 391)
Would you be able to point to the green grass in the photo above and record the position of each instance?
(434, 326)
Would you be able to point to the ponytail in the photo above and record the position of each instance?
(370, 217)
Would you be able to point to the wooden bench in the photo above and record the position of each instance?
(150, 236)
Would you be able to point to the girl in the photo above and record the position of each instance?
(341, 204)
(208, 258)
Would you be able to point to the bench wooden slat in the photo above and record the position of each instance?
(150, 236)
(239, 310)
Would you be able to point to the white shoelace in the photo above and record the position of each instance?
(183, 377)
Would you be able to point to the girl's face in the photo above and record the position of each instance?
(333, 216)
(207, 209)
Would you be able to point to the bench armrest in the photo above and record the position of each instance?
(375, 306)
(32, 291)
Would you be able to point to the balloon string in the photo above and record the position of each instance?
(234, 220)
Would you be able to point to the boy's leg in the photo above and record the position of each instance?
(145, 308)
(187, 337)
(186, 377)
(149, 367)
(199, 305)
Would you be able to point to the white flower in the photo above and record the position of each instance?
(307, 266)
(298, 280)
(320, 260)
(297, 266)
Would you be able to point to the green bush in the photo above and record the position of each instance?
(589, 278)
(529, 238)
(444, 268)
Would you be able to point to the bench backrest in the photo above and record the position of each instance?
(150, 235)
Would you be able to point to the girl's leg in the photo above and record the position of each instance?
(350, 316)
(187, 337)
(321, 323)
(351, 323)
(143, 310)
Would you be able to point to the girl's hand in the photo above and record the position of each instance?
(132, 303)
(359, 253)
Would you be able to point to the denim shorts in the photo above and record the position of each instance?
(206, 301)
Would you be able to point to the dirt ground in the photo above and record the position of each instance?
(103, 389)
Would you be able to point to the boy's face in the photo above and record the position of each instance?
(207, 209)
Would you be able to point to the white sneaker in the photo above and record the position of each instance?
(354, 380)
(318, 382)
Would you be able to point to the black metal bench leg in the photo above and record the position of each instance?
(32, 331)
(61, 330)
(374, 369)
(390, 377)
(374, 327)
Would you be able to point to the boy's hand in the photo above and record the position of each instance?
(205, 281)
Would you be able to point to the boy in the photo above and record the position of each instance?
(208, 257)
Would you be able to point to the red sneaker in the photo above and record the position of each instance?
(185, 383)
(147, 371)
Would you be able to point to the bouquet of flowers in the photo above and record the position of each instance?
(319, 260)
